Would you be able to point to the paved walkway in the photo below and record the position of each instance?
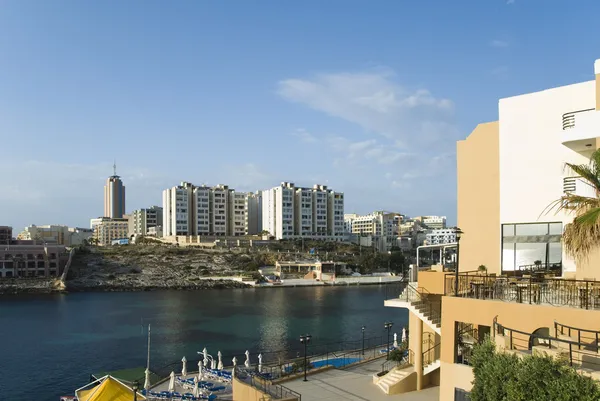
(355, 383)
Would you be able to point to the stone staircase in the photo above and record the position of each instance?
(421, 309)
(389, 383)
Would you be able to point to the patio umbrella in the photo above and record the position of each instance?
(172, 382)
(395, 340)
(220, 365)
(147, 380)
(259, 363)
(184, 367)
(247, 361)
(404, 334)
(196, 391)
(205, 355)
(213, 364)
(199, 370)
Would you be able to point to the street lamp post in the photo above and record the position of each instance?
(458, 235)
(135, 388)
(388, 327)
(305, 339)
(363, 339)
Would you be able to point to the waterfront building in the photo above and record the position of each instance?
(114, 196)
(530, 296)
(296, 212)
(141, 220)
(56, 234)
(219, 211)
(24, 258)
(108, 230)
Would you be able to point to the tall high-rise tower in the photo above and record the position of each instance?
(114, 196)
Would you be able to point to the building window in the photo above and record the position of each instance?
(529, 246)
(461, 395)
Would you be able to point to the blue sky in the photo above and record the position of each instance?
(367, 97)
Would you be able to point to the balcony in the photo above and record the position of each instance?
(539, 288)
(580, 131)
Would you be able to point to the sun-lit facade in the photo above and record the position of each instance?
(529, 295)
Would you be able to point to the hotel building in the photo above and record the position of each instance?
(106, 230)
(532, 297)
(296, 212)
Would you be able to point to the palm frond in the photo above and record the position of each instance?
(583, 234)
(588, 173)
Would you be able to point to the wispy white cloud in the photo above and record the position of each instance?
(510, 1)
(371, 150)
(499, 43)
(374, 101)
(304, 135)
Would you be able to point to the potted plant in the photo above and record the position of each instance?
(482, 269)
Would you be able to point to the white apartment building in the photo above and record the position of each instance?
(110, 229)
(207, 211)
(141, 220)
(296, 212)
(177, 216)
(440, 236)
(56, 234)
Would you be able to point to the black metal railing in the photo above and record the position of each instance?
(583, 336)
(583, 294)
(568, 119)
(277, 391)
(424, 302)
(432, 354)
(579, 355)
(393, 291)
(337, 358)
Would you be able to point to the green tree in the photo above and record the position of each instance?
(583, 234)
(506, 377)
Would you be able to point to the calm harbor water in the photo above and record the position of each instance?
(51, 343)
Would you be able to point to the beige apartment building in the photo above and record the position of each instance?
(142, 220)
(531, 297)
(106, 230)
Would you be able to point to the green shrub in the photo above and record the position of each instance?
(506, 377)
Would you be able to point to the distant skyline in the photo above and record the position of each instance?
(367, 98)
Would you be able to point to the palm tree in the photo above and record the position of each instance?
(583, 234)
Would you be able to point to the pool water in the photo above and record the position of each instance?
(335, 362)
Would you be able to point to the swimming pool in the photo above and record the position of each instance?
(335, 362)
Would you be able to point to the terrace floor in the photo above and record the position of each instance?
(354, 383)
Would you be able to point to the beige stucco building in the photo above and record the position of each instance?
(56, 234)
(106, 230)
(531, 297)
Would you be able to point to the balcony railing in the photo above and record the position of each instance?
(583, 294)
(581, 355)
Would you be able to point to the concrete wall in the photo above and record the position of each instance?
(432, 281)
(245, 392)
(532, 155)
(478, 198)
